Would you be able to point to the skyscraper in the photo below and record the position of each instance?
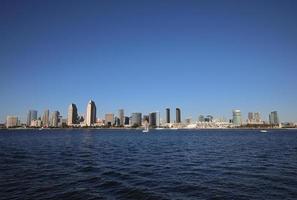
(136, 119)
(237, 117)
(55, 119)
(153, 119)
(72, 115)
(91, 113)
(45, 118)
(178, 115)
(273, 118)
(168, 115)
(32, 115)
(121, 117)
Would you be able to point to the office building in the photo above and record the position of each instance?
(121, 117)
(91, 113)
(178, 115)
(109, 119)
(237, 118)
(273, 118)
(45, 118)
(32, 115)
(167, 115)
(72, 117)
(55, 119)
(11, 121)
(127, 119)
(136, 119)
(153, 119)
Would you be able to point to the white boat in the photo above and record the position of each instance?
(263, 131)
(146, 128)
(173, 128)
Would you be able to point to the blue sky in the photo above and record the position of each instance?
(206, 57)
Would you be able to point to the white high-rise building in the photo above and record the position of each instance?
(91, 113)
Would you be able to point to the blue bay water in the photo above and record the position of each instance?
(127, 164)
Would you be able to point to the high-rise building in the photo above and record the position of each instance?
(251, 117)
(167, 115)
(273, 118)
(254, 118)
(153, 119)
(178, 115)
(237, 118)
(136, 119)
(127, 120)
(11, 121)
(32, 115)
(72, 117)
(45, 118)
(121, 117)
(109, 119)
(55, 119)
(91, 113)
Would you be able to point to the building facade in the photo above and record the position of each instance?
(32, 115)
(91, 113)
(178, 115)
(237, 118)
(11, 121)
(121, 117)
(45, 119)
(167, 115)
(136, 119)
(72, 117)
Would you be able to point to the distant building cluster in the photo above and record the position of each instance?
(137, 119)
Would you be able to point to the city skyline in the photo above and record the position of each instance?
(91, 116)
(203, 57)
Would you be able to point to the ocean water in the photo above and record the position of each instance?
(164, 164)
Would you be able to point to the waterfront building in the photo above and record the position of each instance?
(136, 119)
(273, 118)
(91, 113)
(126, 120)
(254, 118)
(109, 119)
(45, 118)
(55, 119)
(153, 119)
(72, 117)
(121, 117)
(237, 118)
(178, 115)
(32, 115)
(11, 121)
(36, 123)
(168, 115)
(117, 121)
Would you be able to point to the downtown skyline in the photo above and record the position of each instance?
(204, 57)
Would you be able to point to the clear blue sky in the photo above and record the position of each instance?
(206, 57)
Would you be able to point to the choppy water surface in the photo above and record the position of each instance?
(123, 164)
